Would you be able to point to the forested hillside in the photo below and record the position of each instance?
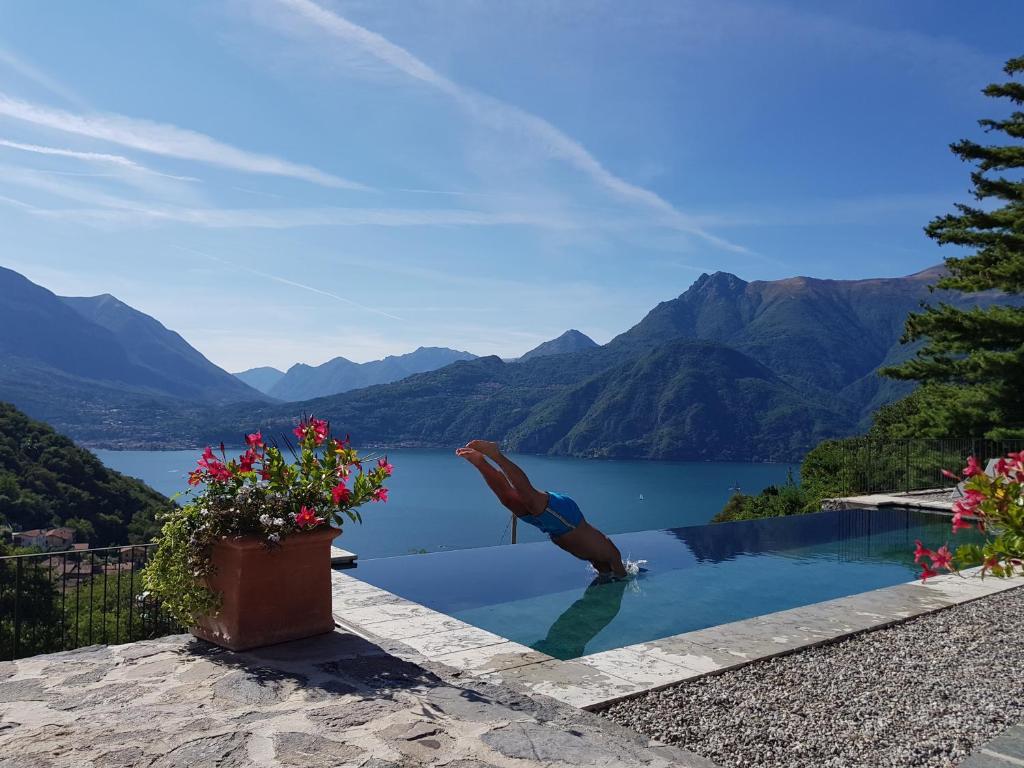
(48, 481)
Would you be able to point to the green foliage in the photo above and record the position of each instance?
(973, 359)
(38, 609)
(46, 480)
(258, 494)
(57, 612)
(774, 501)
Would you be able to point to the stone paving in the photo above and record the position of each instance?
(1004, 751)
(334, 700)
(937, 500)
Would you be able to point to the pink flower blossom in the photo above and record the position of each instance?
(247, 459)
(927, 573)
(921, 552)
(195, 477)
(963, 507)
(383, 464)
(255, 440)
(942, 558)
(340, 493)
(219, 472)
(950, 475)
(973, 467)
(380, 494)
(317, 428)
(307, 518)
(959, 523)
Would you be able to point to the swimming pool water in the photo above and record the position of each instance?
(696, 577)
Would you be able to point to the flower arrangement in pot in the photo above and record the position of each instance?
(246, 561)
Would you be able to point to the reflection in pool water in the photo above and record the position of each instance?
(581, 622)
(696, 577)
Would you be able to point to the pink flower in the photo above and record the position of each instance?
(219, 472)
(927, 573)
(383, 464)
(247, 459)
(195, 477)
(307, 518)
(316, 428)
(963, 507)
(950, 475)
(340, 493)
(380, 494)
(973, 467)
(959, 523)
(254, 440)
(942, 558)
(921, 552)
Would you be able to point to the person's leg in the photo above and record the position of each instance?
(495, 480)
(534, 500)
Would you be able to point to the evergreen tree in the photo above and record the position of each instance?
(971, 364)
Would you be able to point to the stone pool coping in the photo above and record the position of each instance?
(924, 501)
(416, 633)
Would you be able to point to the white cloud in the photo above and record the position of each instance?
(499, 115)
(166, 140)
(95, 157)
(125, 213)
(105, 209)
(28, 71)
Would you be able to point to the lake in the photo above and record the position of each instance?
(438, 502)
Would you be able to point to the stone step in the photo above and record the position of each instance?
(341, 556)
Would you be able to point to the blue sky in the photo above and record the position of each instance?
(286, 180)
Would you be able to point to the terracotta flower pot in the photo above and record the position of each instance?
(270, 595)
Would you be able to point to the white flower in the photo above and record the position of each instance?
(274, 538)
(265, 519)
(278, 522)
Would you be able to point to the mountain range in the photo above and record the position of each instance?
(729, 369)
(81, 362)
(304, 382)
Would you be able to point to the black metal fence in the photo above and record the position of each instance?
(57, 601)
(869, 465)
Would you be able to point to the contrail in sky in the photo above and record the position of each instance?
(286, 281)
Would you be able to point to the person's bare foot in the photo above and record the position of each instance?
(471, 455)
(486, 447)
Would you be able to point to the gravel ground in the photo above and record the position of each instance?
(923, 693)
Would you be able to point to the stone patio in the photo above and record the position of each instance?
(334, 700)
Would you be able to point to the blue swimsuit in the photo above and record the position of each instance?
(559, 517)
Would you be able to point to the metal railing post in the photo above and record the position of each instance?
(17, 609)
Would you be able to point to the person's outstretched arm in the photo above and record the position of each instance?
(496, 481)
(534, 500)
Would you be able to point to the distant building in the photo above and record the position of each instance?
(60, 538)
(47, 539)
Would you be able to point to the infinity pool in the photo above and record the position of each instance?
(695, 577)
